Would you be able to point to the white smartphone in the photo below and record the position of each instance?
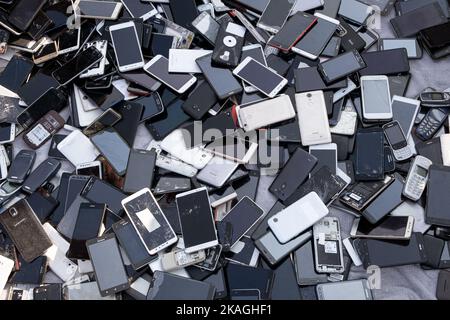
(77, 148)
(326, 155)
(138, 9)
(338, 95)
(296, 218)
(261, 77)
(56, 254)
(158, 67)
(376, 98)
(263, 113)
(86, 109)
(7, 132)
(93, 168)
(6, 267)
(348, 122)
(105, 10)
(127, 46)
(69, 41)
(255, 51)
(390, 228)
(313, 118)
(217, 171)
(233, 148)
(183, 60)
(175, 145)
(404, 111)
(445, 149)
(170, 163)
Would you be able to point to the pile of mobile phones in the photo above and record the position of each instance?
(221, 149)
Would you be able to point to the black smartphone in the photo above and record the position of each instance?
(41, 175)
(59, 212)
(391, 253)
(38, 85)
(184, 12)
(385, 202)
(437, 36)
(409, 24)
(262, 226)
(350, 40)
(278, 64)
(244, 278)
(16, 73)
(437, 184)
(53, 99)
(114, 148)
(200, 101)
(172, 117)
(293, 174)
(341, 66)
(48, 292)
(275, 15)
(443, 289)
(107, 119)
(77, 65)
(247, 256)
(431, 150)
(39, 25)
(288, 132)
(221, 80)
(75, 186)
(309, 79)
(132, 245)
(327, 185)
(172, 184)
(30, 272)
(248, 186)
(218, 281)
(333, 47)
(305, 267)
(104, 252)
(43, 204)
(21, 166)
(292, 31)
(398, 85)
(369, 157)
(142, 79)
(99, 191)
(131, 116)
(140, 170)
(152, 104)
(88, 224)
(386, 62)
(24, 13)
(161, 44)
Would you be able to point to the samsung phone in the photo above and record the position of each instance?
(173, 117)
(376, 98)
(412, 47)
(391, 228)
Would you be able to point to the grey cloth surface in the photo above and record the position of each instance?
(408, 282)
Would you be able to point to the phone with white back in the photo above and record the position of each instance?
(183, 60)
(78, 149)
(313, 118)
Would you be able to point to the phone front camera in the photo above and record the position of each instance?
(275, 220)
(309, 95)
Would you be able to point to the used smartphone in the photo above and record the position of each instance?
(99, 191)
(390, 228)
(341, 66)
(7, 132)
(201, 100)
(305, 266)
(309, 79)
(142, 79)
(24, 12)
(355, 11)
(391, 253)
(48, 51)
(311, 207)
(107, 119)
(21, 166)
(313, 43)
(194, 210)
(104, 253)
(345, 290)
(114, 148)
(350, 39)
(140, 170)
(127, 46)
(207, 26)
(41, 175)
(69, 40)
(139, 9)
(93, 168)
(158, 67)
(387, 201)
(217, 172)
(152, 104)
(376, 98)
(184, 12)
(437, 184)
(77, 65)
(386, 62)
(233, 148)
(25, 230)
(326, 155)
(404, 111)
(221, 80)
(397, 140)
(104, 10)
(369, 157)
(275, 15)
(292, 31)
(149, 221)
(328, 251)
(412, 46)
(132, 245)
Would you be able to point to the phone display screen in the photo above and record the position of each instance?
(355, 10)
(340, 66)
(260, 76)
(256, 53)
(5, 131)
(370, 153)
(293, 29)
(101, 192)
(160, 70)
(195, 211)
(114, 148)
(140, 170)
(150, 222)
(242, 217)
(97, 9)
(437, 197)
(316, 40)
(396, 137)
(77, 65)
(108, 264)
(172, 118)
(325, 158)
(184, 12)
(137, 8)
(276, 13)
(390, 226)
(69, 39)
(405, 114)
(152, 106)
(409, 44)
(376, 98)
(127, 46)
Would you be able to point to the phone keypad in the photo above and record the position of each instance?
(416, 185)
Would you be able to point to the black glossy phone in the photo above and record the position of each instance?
(369, 154)
(99, 191)
(172, 117)
(152, 104)
(131, 116)
(41, 175)
(341, 66)
(24, 13)
(140, 170)
(386, 62)
(200, 101)
(21, 166)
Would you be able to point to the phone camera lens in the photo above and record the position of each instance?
(275, 220)
(309, 95)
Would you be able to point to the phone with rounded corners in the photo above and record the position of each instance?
(127, 46)
(104, 10)
(275, 15)
(376, 98)
(390, 228)
(21, 166)
(411, 45)
(138, 9)
(328, 251)
(93, 168)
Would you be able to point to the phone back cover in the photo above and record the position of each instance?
(26, 231)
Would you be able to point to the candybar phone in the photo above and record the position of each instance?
(42, 131)
(21, 166)
(25, 230)
(391, 253)
(41, 175)
(293, 174)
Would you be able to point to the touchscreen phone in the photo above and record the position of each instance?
(99, 191)
(369, 160)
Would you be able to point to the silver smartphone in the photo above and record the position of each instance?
(345, 290)
(217, 171)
